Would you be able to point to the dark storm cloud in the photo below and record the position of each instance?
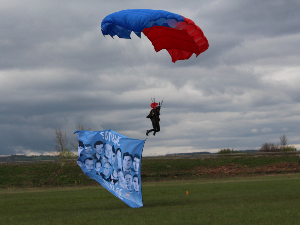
(57, 71)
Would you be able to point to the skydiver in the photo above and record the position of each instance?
(154, 117)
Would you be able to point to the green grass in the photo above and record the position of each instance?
(255, 200)
(70, 174)
(188, 164)
(43, 175)
(160, 169)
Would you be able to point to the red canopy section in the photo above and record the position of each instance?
(181, 41)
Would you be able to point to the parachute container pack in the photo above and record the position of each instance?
(114, 161)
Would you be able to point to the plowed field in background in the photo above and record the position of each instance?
(70, 174)
(219, 167)
(234, 169)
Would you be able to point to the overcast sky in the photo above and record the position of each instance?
(57, 70)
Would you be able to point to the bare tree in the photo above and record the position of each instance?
(81, 127)
(269, 147)
(283, 141)
(74, 143)
(61, 141)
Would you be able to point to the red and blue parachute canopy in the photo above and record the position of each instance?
(180, 36)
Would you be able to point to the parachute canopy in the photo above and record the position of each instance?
(180, 36)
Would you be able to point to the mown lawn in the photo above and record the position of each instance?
(254, 200)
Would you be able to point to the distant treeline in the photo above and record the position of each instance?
(196, 153)
(15, 158)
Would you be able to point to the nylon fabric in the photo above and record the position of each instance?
(180, 36)
(114, 161)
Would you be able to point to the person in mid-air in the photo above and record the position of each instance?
(154, 117)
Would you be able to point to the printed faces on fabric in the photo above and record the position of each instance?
(114, 161)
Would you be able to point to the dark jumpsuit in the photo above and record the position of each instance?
(154, 117)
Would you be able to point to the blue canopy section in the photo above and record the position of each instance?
(114, 161)
(124, 22)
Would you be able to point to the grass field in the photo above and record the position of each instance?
(252, 200)
(69, 173)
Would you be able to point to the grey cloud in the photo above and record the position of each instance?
(57, 70)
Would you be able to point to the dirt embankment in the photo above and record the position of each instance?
(233, 169)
